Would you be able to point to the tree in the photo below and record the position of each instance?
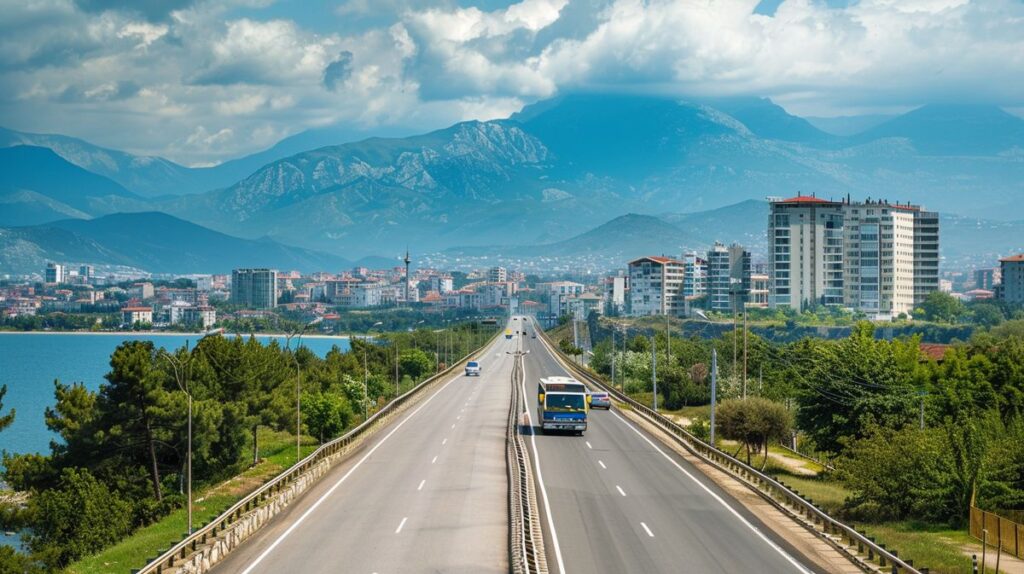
(415, 363)
(942, 307)
(5, 420)
(78, 517)
(326, 414)
(133, 406)
(754, 422)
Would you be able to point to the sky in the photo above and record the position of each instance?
(201, 82)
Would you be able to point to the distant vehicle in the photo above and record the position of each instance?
(472, 369)
(562, 404)
(533, 335)
(508, 333)
(600, 401)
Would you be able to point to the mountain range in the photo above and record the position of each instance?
(547, 177)
(155, 242)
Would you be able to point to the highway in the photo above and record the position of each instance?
(428, 493)
(616, 500)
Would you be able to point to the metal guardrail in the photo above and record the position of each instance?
(182, 550)
(762, 483)
(526, 540)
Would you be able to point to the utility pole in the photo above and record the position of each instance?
(654, 372)
(714, 391)
(744, 352)
(613, 357)
(734, 349)
(366, 387)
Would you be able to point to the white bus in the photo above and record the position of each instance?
(562, 404)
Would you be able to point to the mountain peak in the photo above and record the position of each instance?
(954, 129)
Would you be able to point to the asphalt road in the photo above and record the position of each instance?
(618, 501)
(426, 494)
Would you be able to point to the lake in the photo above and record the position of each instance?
(30, 362)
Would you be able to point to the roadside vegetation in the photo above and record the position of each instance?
(908, 442)
(115, 477)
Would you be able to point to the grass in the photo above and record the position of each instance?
(935, 546)
(277, 452)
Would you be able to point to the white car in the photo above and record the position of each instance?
(472, 369)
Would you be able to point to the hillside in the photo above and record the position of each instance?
(155, 242)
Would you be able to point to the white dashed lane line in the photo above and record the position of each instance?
(435, 460)
(647, 530)
(444, 442)
(619, 488)
(588, 445)
(422, 482)
(601, 462)
(400, 525)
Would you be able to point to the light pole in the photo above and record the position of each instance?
(298, 384)
(181, 377)
(714, 391)
(654, 371)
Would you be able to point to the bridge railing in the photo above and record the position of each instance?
(764, 484)
(167, 561)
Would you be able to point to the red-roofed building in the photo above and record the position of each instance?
(656, 286)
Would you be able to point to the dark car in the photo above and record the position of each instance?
(600, 401)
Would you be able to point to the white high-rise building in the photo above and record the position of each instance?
(875, 257)
(728, 277)
(497, 275)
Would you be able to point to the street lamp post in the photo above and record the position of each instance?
(654, 371)
(298, 384)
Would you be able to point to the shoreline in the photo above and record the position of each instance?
(167, 334)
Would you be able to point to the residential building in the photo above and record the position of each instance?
(254, 288)
(580, 306)
(136, 314)
(1012, 270)
(656, 286)
(805, 252)
(758, 296)
(54, 273)
(86, 272)
(441, 283)
(987, 278)
(728, 277)
(200, 315)
(615, 290)
(876, 257)
(142, 291)
(497, 275)
(695, 276)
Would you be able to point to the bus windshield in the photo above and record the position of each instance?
(565, 403)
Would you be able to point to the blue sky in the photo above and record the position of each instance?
(200, 81)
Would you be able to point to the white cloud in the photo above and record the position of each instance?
(208, 81)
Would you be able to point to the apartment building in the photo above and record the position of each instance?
(758, 296)
(695, 276)
(615, 289)
(877, 257)
(1012, 270)
(656, 286)
(254, 288)
(54, 273)
(497, 275)
(728, 277)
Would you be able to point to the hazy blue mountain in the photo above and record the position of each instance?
(155, 242)
(955, 130)
(42, 186)
(768, 120)
(848, 125)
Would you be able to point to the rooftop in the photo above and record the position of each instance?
(806, 199)
(1013, 259)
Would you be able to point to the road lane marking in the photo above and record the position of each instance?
(458, 417)
(444, 442)
(341, 480)
(588, 445)
(719, 499)
(453, 425)
(602, 464)
(647, 530)
(619, 488)
(435, 460)
(401, 524)
(543, 489)
(422, 482)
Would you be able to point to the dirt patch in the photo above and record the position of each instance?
(1008, 564)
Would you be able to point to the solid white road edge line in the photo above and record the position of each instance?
(335, 486)
(540, 479)
(720, 500)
